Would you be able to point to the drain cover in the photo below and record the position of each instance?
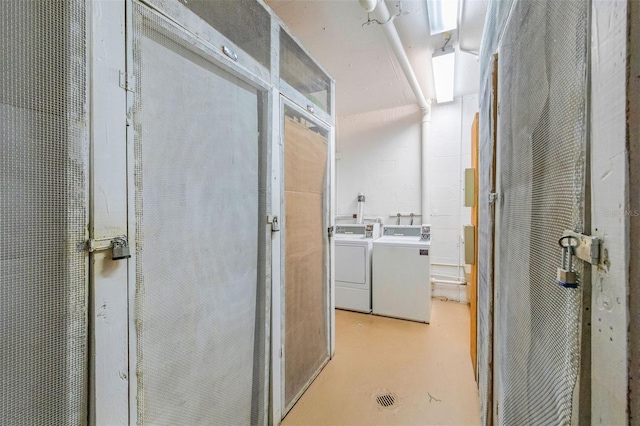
(386, 400)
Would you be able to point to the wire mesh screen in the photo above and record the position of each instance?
(485, 252)
(306, 344)
(244, 22)
(542, 142)
(201, 199)
(497, 14)
(496, 20)
(43, 205)
(302, 73)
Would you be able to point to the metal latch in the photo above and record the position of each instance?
(586, 247)
(330, 231)
(119, 246)
(273, 221)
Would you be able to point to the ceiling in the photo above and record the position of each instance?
(367, 74)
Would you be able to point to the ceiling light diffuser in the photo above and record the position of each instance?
(443, 62)
(443, 15)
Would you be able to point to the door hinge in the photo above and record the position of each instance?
(493, 197)
(127, 81)
(274, 222)
(330, 231)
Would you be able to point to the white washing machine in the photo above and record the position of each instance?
(353, 265)
(401, 273)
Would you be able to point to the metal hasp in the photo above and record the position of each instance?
(275, 224)
(119, 246)
(587, 247)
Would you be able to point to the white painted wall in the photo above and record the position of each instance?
(450, 141)
(378, 153)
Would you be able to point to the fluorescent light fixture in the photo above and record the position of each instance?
(443, 15)
(443, 62)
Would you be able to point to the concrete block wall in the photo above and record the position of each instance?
(378, 153)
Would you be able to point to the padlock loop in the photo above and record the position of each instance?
(568, 237)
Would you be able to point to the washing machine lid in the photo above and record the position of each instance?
(362, 242)
(402, 241)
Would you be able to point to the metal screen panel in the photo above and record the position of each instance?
(306, 344)
(245, 22)
(302, 73)
(200, 199)
(542, 143)
(497, 14)
(486, 225)
(43, 212)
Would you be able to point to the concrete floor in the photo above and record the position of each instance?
(426, 367)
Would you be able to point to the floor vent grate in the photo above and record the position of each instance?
(386, 400)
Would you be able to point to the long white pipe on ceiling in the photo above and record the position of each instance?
(381, 13)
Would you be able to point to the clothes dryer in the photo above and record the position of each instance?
(353, 246)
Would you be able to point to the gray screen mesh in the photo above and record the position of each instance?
(244, 22)
(200, 172)
(542, 142)
(43, 205)
(485, 252)
(497, 14)
(306, 344)
(302, 73)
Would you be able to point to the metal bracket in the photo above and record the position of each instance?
(275, 224)
(126, 81)
(587, 247)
